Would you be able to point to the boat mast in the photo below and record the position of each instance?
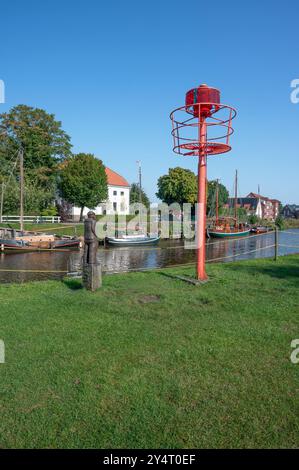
(236, 198)
(217, 201)
(21, 158)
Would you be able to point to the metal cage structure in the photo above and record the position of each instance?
(218, 129)
(201, 128)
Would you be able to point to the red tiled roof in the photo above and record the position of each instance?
(114, 179)
(257, 196)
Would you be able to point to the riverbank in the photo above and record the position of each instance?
(151, 361)
(60, 229)
(291, 223)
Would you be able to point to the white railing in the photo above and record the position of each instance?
(34, 219)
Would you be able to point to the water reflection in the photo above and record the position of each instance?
(167, 253)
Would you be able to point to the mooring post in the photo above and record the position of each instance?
(276, 244)
(92, 273)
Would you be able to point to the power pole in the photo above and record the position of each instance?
(236, 198)
(1, 202)
(139, 176)
(140, 195)
(21, 157)
(217, 201)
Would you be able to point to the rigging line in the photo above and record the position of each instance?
(11, 159)
(10, 174)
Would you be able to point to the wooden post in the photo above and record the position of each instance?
(92, 273)
(276, 244)
(92, 276)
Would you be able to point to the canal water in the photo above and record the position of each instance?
(22, 267)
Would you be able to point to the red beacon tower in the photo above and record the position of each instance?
(201, 128)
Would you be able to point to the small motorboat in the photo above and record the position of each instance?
(260, 229)
(132, 240)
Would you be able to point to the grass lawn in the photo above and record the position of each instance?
(151, 361)
(60, 229)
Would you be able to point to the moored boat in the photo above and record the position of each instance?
(260, 229)
(132, 240)
(228, 227)
(32, 242)
(228, 232)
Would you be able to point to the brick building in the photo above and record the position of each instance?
(270, 207)
(255, 204)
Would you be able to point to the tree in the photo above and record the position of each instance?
(253, 219)
(279, 222)
(36, 198)
(83, 181)
(134, 195)
(43, 140)
(222, 196)
(179, 185)
(44, 143)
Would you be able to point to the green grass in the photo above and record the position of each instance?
(152, 361)
(291, 223)
(60, 229)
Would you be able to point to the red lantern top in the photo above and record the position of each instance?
(205, 97)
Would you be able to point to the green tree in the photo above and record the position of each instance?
(253, 219)
(83, 181)
(43, 140)
(134, 195)
(279, 222)
(44, 143)
(179, 185)
(36, 198)
(211, 199)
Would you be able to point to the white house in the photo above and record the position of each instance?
(118, 201)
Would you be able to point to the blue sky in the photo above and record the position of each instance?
(113, 71)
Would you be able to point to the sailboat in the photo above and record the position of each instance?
(228, 227)
(135, 238)
(22, 241)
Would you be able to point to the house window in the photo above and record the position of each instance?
(115, 206)
(122, 206)
(122, 193)
(114, 193)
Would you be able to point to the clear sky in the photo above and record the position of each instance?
(112, 71)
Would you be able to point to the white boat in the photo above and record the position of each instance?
(129, 240)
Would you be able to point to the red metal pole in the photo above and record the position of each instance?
(201, 201)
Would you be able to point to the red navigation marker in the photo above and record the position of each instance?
(201, 128)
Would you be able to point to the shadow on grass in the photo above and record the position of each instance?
(73, 284)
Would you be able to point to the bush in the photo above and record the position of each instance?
(279, 222)
(49, 212)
